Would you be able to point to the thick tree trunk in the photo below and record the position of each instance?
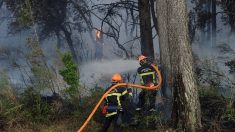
(145, 28)
(186, 108)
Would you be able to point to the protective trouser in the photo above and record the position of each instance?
(144, 95)
(116, 119)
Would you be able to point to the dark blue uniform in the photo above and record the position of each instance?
(113, 102)
(147, 75)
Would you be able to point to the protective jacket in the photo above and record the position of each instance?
(113, 101)
(147, 74)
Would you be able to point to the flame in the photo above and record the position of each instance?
(98, 34)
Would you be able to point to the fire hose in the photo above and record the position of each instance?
(122, 84)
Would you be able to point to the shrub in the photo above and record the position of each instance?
(9, 106)
(34, 109)
(70, 75)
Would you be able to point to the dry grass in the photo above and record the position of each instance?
(7, 92)
(66, 125)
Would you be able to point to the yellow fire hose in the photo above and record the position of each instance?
(121, 84)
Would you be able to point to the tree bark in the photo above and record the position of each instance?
(186, 112)
(164, 47)
(145, 28)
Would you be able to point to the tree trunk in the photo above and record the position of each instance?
(208, 23)
(213, 22)
(70, 43)
(164, 47)
(154, 18)
(186, 107)
(145, 28)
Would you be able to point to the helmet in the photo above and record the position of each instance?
(116, 77)
(141, 58)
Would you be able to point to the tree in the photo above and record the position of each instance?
(51, 18)
(229, 9)
(111, 15)
(135, 11)
(213, 23)
(145, 28)
(71, 75)
(186, 107)
(205, 20)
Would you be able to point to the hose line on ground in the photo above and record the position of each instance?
(122, 84)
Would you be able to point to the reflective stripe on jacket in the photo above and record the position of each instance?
(114, 100)
(147, 74)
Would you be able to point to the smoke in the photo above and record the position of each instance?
(97, 72)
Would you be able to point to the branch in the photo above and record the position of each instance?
(133, 19)
(115, 37)
(83, 13)
(102, 25)
(114, 27)
(227, 12)
(121, 4)
(131, 40)
(88, 20)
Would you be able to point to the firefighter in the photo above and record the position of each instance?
(147, 76)
(113, 105)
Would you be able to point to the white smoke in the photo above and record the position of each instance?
(95, 73)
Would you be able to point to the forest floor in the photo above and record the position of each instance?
(218, 114)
